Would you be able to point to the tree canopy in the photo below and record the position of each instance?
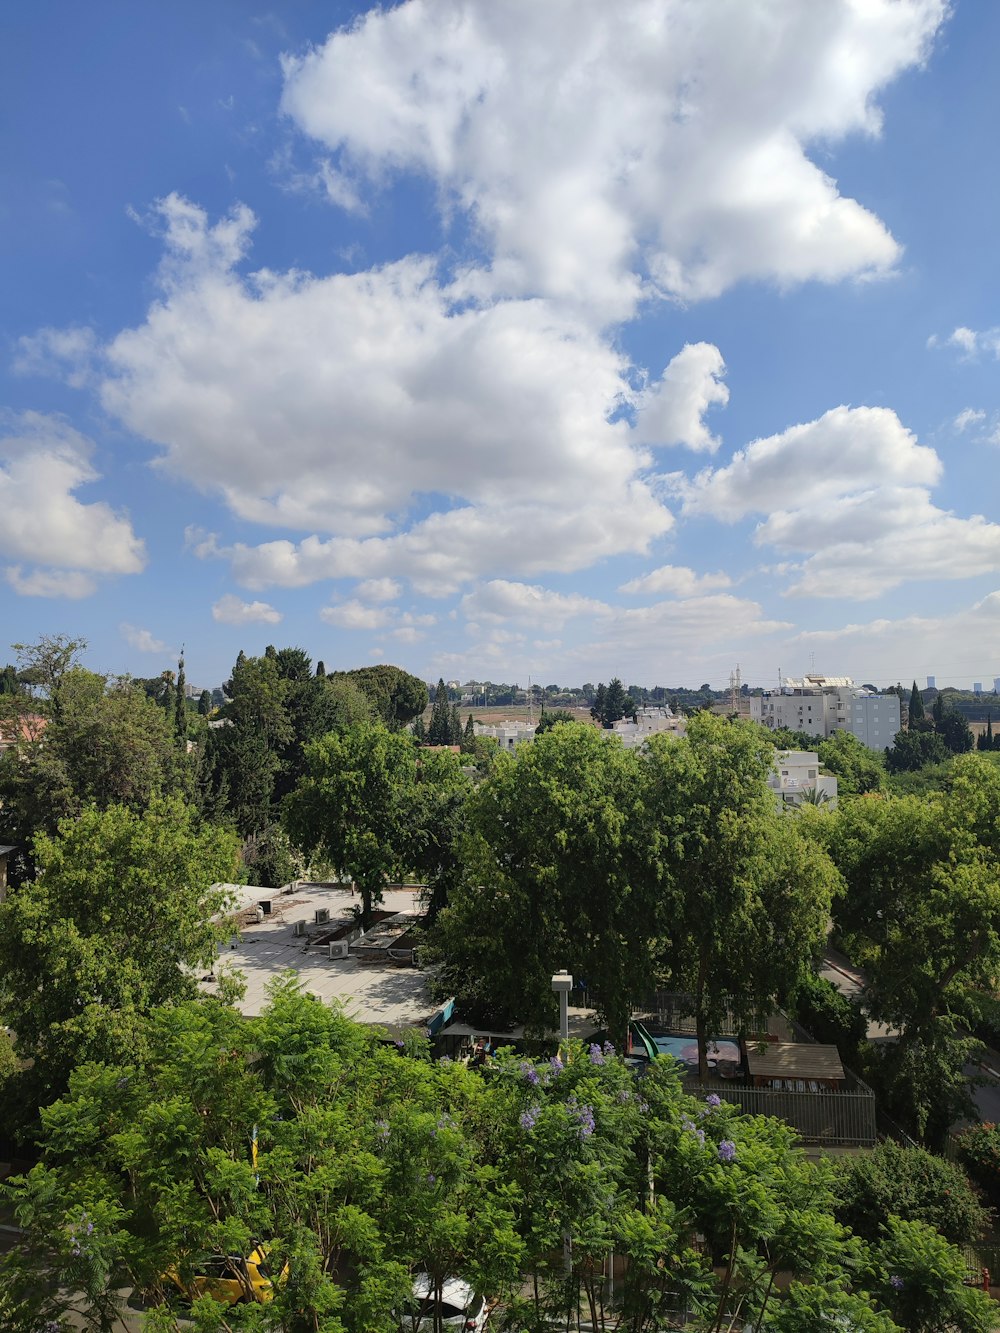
(120, 913)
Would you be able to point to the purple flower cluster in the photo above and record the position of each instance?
(556, 1065)
(896, 1282)
(584, 1116)
(529, 1117)
(596, 1055)
(77, 1237)
(727, 1150)
(530, 1074)
(609, 1050)
(713, 1101)
(689, 1126)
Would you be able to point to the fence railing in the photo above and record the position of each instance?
(844, 1119)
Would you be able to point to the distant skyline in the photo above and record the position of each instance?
(567, 341)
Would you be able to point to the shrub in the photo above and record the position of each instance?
(979, 1150)
(831, 1017)
(910, 1183)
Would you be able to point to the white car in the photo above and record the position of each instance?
(460, 1306)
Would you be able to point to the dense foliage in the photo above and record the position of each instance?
(910, 1183)
(361, 1165)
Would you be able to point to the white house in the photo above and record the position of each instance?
(648, 722)
(796, 777)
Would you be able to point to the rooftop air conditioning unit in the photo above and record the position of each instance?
(299, 928)
(338, 949)
(322, 915)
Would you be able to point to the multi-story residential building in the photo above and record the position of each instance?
(822, 705)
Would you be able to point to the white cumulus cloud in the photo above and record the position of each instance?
(69, 583)
(850, 491)
(600, 150)
(678, 580)
(672, 410)
(142, 640)
(43, 463)
(355, 615)
(232, 610)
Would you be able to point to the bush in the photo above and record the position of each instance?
(979, 1151)
(831, 1017)
(909, 1183)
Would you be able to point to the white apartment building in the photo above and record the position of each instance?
(821, 705)
(796, 776)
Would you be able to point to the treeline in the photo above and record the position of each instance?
(80, 738)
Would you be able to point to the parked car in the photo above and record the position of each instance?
(231, 1279)
(460, 1306)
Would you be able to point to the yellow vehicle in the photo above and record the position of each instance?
(231, 1279)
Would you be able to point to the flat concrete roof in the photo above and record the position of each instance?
(379, 993)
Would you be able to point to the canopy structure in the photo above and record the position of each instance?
(781, 1063)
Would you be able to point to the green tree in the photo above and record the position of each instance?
(367, 1171)
(109, 744)
(921, 913)
(616, 703)
(352, 806)
(921, 1280)
(829, 1016)
(549, 720)
(909, 1183)
(597, 707)
(436, 823)
(732, 871)
(180, 704)
(118, 916)
(397, 696)
(858, 769)
(985, 738)
(9, 683)
(913, 750)
(43, 665)
(205, 703)
(916, 706)
(439, 730)
(556, 878)
(955, 732)
(469, 736)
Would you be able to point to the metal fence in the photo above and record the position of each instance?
(833, 1119)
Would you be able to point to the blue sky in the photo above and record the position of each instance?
(564, 340)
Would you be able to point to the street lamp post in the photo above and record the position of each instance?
(562, 984)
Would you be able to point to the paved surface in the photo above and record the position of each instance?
(384, 993)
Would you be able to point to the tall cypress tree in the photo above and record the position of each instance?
(439, 731)
(916, 705)
(180, 704)
(456, 726)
